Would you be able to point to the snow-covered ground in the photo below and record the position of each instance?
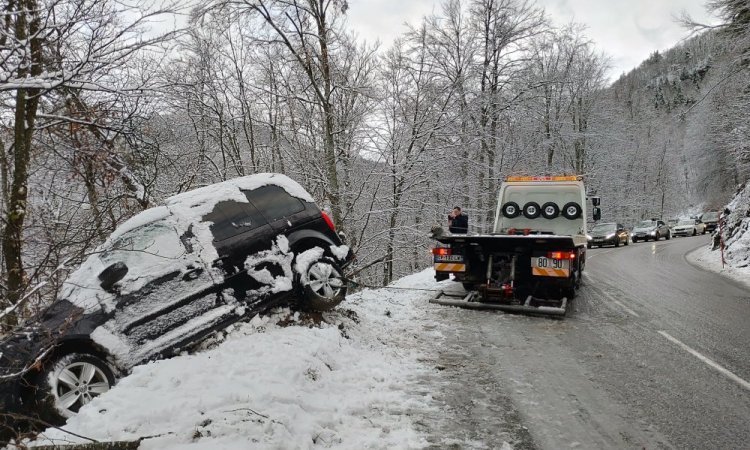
(711, 260)
(345, 382)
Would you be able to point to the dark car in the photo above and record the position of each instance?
(650, 229)
(711, 219)
(166, 279)
(607, 234)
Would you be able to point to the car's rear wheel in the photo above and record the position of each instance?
(68, 383)
(322, 286)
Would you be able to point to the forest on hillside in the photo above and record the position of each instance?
(102, 117)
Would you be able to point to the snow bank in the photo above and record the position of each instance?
(350, 381)
(737, 231)
(711, 260)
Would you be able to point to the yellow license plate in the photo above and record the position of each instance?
(542, 266)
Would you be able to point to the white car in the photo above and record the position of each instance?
(689, 227)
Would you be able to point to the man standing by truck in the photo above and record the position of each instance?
(458, 222)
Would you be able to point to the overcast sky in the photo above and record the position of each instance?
(628, 31)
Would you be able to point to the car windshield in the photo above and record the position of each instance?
(710, 216)
(646, 224)
(604, 227)
(145, 250)
(686, 222)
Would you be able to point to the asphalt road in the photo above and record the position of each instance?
(655, 353)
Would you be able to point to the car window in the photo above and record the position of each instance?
(230, 218)
(145, 249)
(646, 223)
(274, 202)
(603, 227)
(710, 216)
(686, 222)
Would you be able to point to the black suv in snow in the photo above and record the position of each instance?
(166, 279)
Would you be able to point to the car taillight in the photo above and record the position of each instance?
(561, 255)
(441, 251)
(328, 220)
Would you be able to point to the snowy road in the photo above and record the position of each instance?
(655, 354)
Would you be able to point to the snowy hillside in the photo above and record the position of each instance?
(281, 381)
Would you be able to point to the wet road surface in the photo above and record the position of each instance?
(654, 353)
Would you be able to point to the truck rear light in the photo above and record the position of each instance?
(328, 220)
(561, 255)
(441, 251)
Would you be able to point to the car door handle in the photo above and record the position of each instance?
(192, 274)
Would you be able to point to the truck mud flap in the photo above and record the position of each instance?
(471, 301)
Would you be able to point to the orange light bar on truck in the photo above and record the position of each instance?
(555, 178)
(561, 255)
(441, 251)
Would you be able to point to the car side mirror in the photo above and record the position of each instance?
(597, 213)
(111, 275)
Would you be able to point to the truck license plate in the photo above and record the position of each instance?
(449, 258)
(547, 267)
(449, 263)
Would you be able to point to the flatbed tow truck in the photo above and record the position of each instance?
(532, 260)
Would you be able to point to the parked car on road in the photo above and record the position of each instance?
(689, 227)
(711, 219)
(608, 233)
(166, 279)
(650, 229)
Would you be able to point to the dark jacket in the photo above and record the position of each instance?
(459, 224)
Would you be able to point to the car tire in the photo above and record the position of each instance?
(588, 246)
(69, 382)
(617, 242)
(635, 240)
(695, 232)
(322, 287)
(627, 241)
(656, 237)
(668, 236)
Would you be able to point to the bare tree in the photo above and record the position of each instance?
(53, 53)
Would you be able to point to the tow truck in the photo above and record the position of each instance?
(532, 260)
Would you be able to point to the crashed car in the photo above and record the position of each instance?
(166, 279)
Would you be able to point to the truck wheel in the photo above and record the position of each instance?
(571, 210)
(531, 210)
(511, 210)
(550, 210)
